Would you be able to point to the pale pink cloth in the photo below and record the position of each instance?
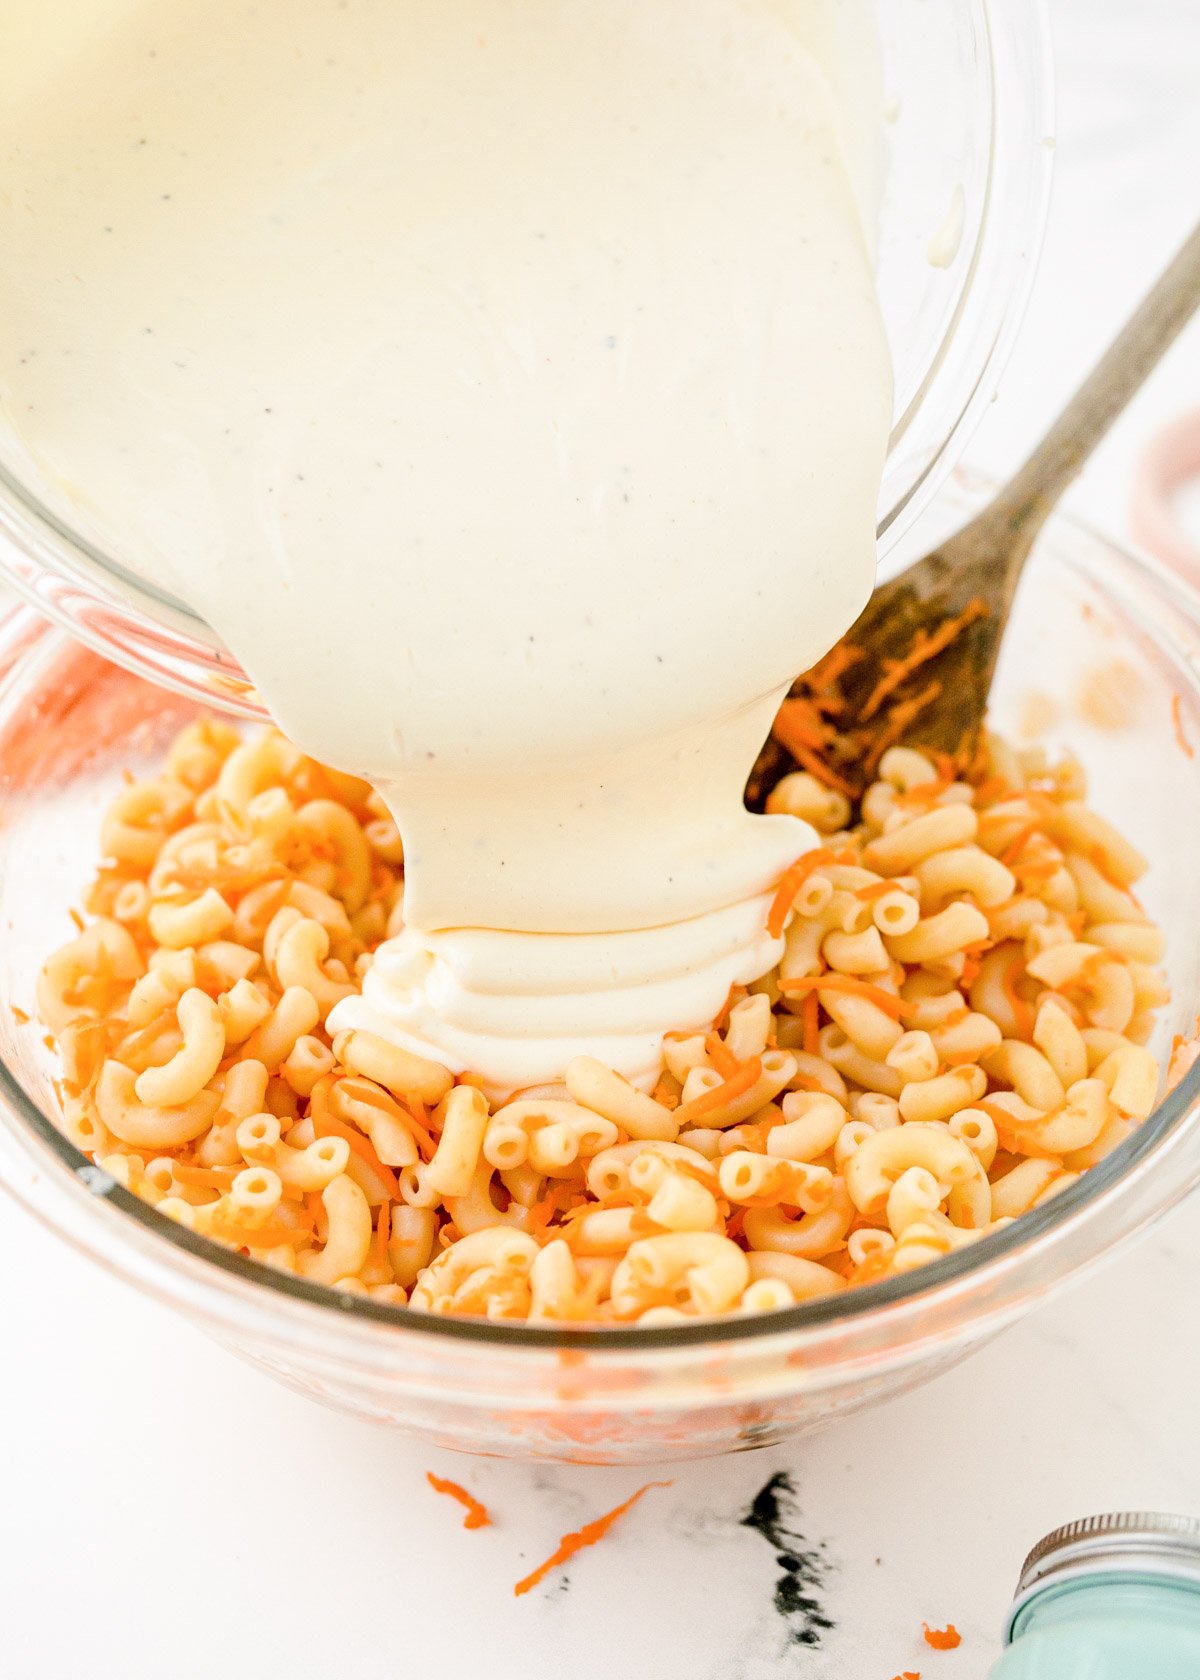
(1169, 461)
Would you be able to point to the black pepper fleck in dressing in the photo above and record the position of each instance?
(803, 1567)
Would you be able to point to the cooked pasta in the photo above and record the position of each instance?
(955, 1031)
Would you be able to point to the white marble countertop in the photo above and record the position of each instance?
(167, 1511)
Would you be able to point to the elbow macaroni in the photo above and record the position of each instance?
(975, 1039)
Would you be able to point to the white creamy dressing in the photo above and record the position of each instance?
(504, 381)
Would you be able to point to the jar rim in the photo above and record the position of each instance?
(1110, 1545)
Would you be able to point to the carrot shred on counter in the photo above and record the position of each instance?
(810, 1014)
(720, 1055)
(588, 1535)
(77, 919)
(851, 986)
(1185, 746)
(792, 880)
(942, 1639)
(18, 1015)
(926, 646)
(746, 1075)
(324, 1125)
(478, 1516)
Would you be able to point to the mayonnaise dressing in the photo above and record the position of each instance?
(504, 382)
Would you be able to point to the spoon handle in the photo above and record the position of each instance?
(1125, 365)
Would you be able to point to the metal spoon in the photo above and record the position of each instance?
(972, 578)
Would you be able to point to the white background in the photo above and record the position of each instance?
(168, 1512)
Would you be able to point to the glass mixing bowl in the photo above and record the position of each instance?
(969, 107)
(1104, 650)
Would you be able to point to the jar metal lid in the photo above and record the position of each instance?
(1112, 1543)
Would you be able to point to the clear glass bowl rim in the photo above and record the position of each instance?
(935, 1283)
(149, 631)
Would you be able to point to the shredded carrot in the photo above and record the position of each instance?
(992, 790)
(563, 1197)
(810, 1014)
(414, 1115)
(738, 1083)
(1019, 841)
(909, 1674)
(874, 890)
(324, 1125)
(721, 1056)
(901, 716)
(926, 646)
(77, 919)
(267, 1236)
(663, 1094)
(799, 721)
(588, 1535)
(816, 766)
(851, 986)
(827, 671)
(18, 1015)
(477, 1515)
(793, 879)
(722, 1015)
(1185, 746)
(1035, 874)
(205, 1178)
(942, 1639)
(1103, 863)
(475, 1079)
(48, 1041)
(541, 1213)
(1002, 1119)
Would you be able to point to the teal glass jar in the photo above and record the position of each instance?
(1113, 1597)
